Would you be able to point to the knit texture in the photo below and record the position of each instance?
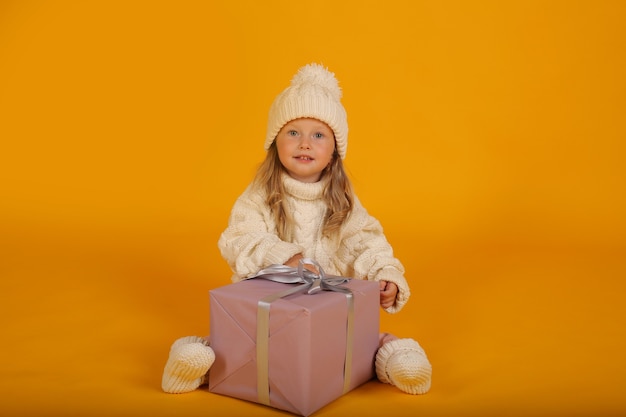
(189, 360)
(403, 364)
(250, 242)
(314, 92)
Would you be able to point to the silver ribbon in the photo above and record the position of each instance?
(313, 283)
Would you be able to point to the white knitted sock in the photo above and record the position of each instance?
(189, 361)
(187, 340)
(403, 364)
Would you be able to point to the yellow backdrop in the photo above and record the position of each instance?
(486, 136)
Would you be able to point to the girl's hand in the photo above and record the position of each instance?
(295, 260)
(388, 293)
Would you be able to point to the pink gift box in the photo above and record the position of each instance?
(307, 346)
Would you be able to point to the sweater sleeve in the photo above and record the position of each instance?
(250, 242)
(373, 257)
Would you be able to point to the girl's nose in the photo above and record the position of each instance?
(305, 143)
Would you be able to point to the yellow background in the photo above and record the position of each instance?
(486, 136)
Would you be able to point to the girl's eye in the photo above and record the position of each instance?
(318, 135)
(292, 133)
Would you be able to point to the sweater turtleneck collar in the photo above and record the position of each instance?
(304, 190)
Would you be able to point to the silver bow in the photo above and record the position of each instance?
(315, 281)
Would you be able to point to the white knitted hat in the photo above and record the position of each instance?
(314, 92)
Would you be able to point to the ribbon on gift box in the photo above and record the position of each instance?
(313, 283)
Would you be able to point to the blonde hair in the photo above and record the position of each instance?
(337, 194)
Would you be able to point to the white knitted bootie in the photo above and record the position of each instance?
(189, 361)
(403, 364)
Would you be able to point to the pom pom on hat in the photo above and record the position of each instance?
(314, 92)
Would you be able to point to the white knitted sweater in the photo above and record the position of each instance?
(250, 241)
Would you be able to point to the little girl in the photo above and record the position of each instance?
(301, 205)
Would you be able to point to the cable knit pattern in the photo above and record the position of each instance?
(250, 242)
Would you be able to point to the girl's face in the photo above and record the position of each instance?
(305, 147)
